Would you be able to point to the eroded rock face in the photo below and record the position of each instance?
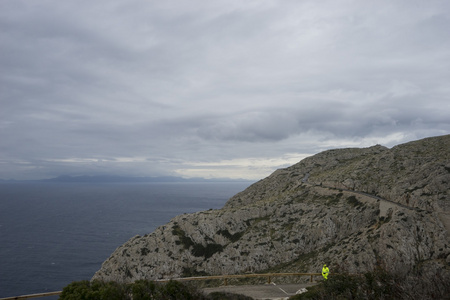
(353, 209)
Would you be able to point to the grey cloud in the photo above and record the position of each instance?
(250, 127)
(166, 83)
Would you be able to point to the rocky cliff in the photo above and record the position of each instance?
(353, 209)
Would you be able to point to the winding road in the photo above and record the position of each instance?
(384, 203)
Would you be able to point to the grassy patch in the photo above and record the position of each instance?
(206, 251)
(186, 241)
(354, 202)
(232, 237)
(196, 248)
(334, 199)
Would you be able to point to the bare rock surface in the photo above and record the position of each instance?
(354, 209)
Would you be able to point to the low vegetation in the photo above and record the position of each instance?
(198, 250)
(140, 290)
(379, 284)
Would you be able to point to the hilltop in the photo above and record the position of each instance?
(355, 209)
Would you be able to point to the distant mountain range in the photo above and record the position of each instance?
(114, 178)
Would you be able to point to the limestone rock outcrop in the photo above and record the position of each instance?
(353, 209)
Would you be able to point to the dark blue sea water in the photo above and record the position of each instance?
(54, 233)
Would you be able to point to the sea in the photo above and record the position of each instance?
(54, 233)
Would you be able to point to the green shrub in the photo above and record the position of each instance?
(95, 290)
(174, 290)
(354, 202)
(380, 284)
(208, 251)
(77, 290)
(143, 289)
(232, 237)
(139, 290)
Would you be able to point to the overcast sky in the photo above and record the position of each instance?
(214, 88)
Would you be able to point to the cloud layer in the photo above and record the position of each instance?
(215, 88)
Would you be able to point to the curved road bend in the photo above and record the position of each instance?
(305, 181)
(444, 216)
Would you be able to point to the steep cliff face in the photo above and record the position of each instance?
(351, 208)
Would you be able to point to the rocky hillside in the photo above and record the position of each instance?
(353, 209)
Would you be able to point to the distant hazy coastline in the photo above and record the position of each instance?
(114, 178)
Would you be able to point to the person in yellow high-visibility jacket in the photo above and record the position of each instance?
(325, 271)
